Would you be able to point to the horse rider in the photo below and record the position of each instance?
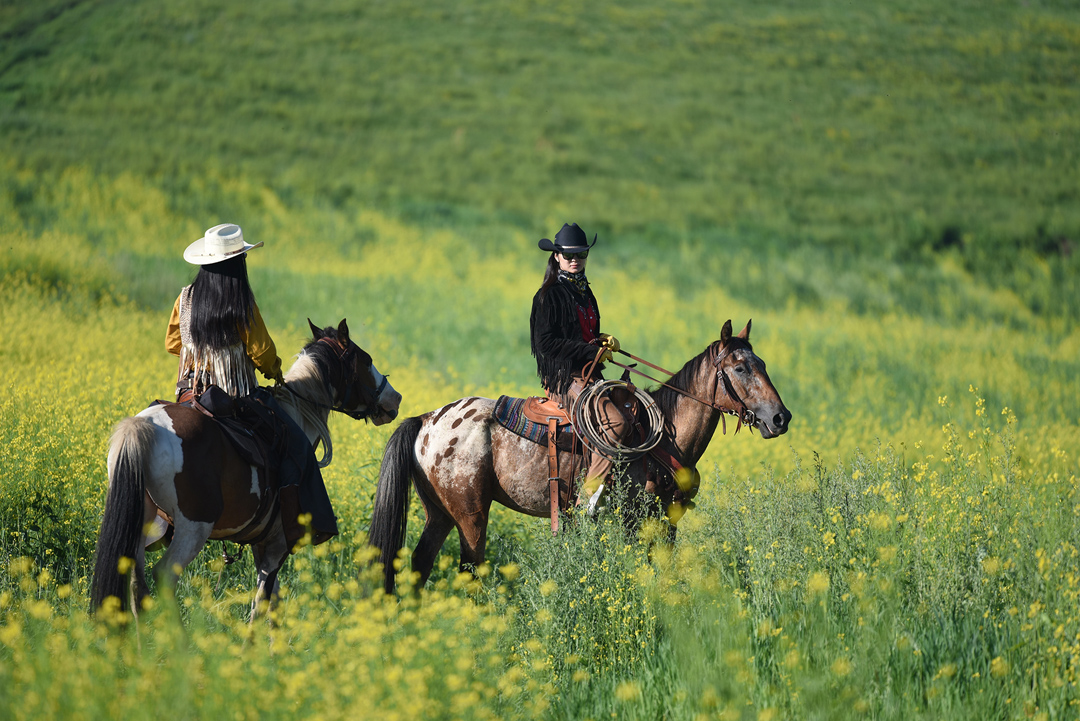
(566, 337)
(218, 332)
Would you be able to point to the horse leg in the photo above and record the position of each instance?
(436, 529)
(269, 557)
(188, 539)
(472, 531)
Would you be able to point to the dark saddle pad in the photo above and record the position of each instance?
(527, 417)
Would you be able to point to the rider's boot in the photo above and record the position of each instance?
(594, 494)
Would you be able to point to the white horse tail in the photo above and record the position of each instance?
(396, 474)
(121, 533)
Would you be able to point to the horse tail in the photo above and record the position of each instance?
(399, 469)
(122, 523)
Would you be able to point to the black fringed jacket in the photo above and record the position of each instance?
(563, 322)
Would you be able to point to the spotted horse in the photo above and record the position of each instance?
(460, 460)
(173, 462)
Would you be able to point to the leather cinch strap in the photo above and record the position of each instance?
(553, 474)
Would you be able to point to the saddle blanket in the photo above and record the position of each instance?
(510, 414)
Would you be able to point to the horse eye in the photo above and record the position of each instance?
(740, 369)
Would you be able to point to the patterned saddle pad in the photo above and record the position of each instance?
(510, 414)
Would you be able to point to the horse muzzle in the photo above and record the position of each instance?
(776, 426)
(384, 416)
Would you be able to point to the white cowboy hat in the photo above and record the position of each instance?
(219, 243)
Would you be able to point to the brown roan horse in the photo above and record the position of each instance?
(460, 459)
(171, 464)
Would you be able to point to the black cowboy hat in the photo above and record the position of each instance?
(571, 239)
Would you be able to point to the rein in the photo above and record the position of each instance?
(744, 415)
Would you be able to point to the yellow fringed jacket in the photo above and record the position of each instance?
(231, 369)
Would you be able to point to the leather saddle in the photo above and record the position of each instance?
(542, 410)
(547, 412)
(250, 427)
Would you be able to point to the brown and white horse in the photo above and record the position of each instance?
(173, 461)
(460, 459)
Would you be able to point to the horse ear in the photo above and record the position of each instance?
(745, 332)
(725, 333)
(316, 331)
(343, 333)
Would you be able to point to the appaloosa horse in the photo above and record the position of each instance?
(173, 461)
(460, 459)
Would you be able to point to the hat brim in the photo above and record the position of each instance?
(550, 247)
(196, 253)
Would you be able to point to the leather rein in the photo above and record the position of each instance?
(352, 388)
(743, 414)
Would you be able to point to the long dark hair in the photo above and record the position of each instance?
(222, 303)
(551, 275)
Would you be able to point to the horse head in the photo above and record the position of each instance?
(360, 391)
(748, 392)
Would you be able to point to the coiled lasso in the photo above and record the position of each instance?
(587, 422)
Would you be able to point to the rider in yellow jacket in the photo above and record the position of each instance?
(219, 334)
(256, 340)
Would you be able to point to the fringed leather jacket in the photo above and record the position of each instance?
(563, 322)
(231, 369)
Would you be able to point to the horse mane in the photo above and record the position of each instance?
(667, 399)
(309, 378)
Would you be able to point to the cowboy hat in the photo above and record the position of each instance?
(571, 239)
(218, 243)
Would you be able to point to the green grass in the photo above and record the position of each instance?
(880, 127)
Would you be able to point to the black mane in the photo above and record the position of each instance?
(325, 357)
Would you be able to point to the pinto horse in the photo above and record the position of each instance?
(173, 462)
(460, 459)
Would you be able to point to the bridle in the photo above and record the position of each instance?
(741, 412)
(354, 390)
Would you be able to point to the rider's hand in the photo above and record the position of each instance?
(610, 342)
(279, 379)
(606, 355)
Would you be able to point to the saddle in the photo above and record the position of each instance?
(528, 418)
(543, 410)
(540, 410)
(543, 421)
(254, 433)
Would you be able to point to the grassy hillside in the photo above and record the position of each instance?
(877, 126)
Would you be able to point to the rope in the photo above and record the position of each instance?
(587, 421)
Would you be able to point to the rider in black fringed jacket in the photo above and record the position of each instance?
(565, 329)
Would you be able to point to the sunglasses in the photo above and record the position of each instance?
(576, 256)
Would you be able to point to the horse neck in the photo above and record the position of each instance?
(693, 423)
(309, 402)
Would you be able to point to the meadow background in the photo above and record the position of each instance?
(890, 190)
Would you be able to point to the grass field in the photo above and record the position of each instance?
(889, 190)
